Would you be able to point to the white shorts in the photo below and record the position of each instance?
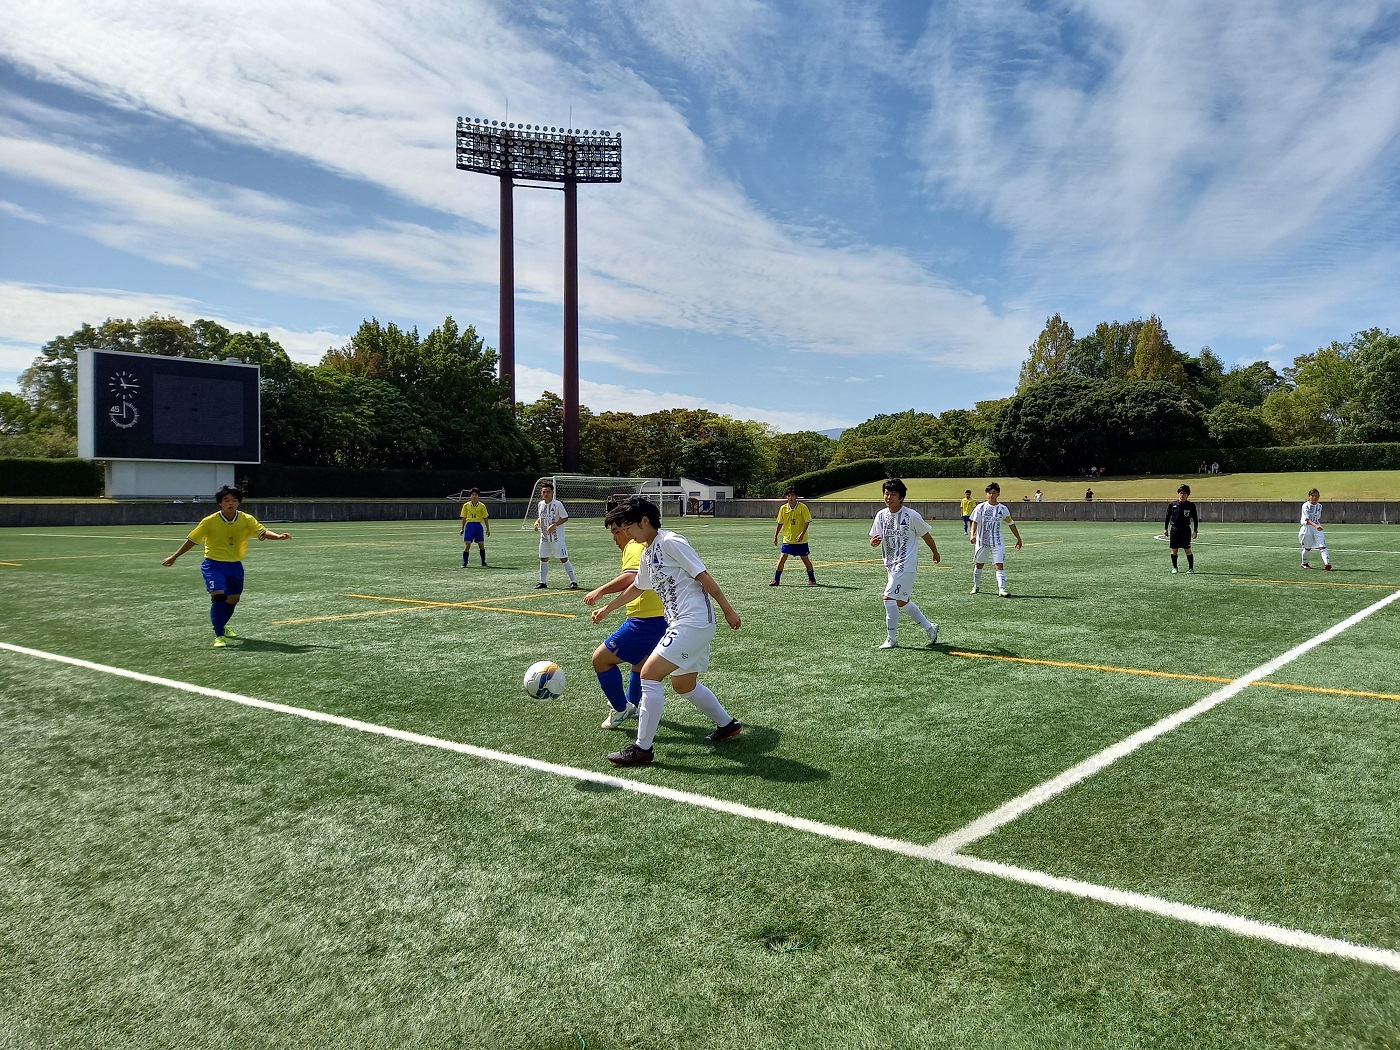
(1310, 538)
(687, 647)
(553, 547)
(996, 555)
(900, 586)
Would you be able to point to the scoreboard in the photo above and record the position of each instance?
(146, 407)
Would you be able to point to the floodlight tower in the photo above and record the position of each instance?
(548, 155)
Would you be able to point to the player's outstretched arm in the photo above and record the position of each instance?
(167, 562)
(611, 587)
(274, 535)
(599, 615)
(707, 581)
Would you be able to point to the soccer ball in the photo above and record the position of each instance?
(544, 680)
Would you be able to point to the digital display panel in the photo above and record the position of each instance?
(145, 407)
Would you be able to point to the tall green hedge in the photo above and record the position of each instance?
(1276, 459)
(50, 477)
(273, 481)
(863, 471)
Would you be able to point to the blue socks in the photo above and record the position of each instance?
(610, 681)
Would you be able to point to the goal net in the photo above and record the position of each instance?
(586, 496)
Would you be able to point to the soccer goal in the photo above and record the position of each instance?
(586, 496)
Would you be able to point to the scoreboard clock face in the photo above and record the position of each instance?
(145, 407)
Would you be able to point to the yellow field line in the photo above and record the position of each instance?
(14, 564)
(351, 616)
(522, 612)
(1335, 692)
(1171, 674)
(1091, 667)
(1317, 583)
(474, 604)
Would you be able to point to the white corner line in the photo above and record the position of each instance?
(956, 841)
(1101, 894)
(1189, 913)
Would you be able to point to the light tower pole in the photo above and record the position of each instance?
(561, 158)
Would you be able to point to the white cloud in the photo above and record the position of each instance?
(16, 211)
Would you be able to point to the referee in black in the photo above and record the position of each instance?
(1181, 526)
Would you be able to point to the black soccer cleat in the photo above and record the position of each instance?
(573, 586)
(733, 729)
(632, 755)
(540, 586)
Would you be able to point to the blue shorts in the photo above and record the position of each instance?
(226, 576)
(634, 641)
(799, 549)
(472, 532)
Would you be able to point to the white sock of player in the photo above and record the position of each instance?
(1325, 560)
(544, 570)
(917, 615)
(1305, 555)
(569, 568)
(976, 576)
(649, 717)
(1001, 579)
(891, 618)
(707, 704)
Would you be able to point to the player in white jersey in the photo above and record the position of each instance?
(1310, 535)
(549, 523)
(672, 569)
(986, 539)
(897, 530)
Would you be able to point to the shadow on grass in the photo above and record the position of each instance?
(260, 645)
(750, 754)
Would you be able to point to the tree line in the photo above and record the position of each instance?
(392, 399)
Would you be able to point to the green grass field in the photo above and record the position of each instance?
(1334, 485)
(184, 868)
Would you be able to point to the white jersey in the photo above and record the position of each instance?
(899, 532)
(988, 518)
(549, 512)
(1310, 515)
(669, 567)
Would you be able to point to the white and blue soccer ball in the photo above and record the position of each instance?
(544, 680)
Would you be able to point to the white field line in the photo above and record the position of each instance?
(1236, 924)
(984, 825)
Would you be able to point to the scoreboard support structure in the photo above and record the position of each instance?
(167, 426)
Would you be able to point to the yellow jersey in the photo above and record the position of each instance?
(968, 506)
(477, 513)
(648, 603)
(226, 540)
(794, 520)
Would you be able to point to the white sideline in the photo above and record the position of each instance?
(1236, 924)
(984, 825)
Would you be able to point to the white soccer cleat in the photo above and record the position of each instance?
(932, 635)
(615, 718)
(1003, 593)
(888, 643)
(974, 590)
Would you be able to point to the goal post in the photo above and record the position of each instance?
(587, 495)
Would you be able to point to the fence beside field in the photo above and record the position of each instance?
(1355, 512)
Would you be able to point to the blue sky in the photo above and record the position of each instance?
(828, 209)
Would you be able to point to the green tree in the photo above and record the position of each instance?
(1154, 357)
(1230, 425)
(800, 452)
(1251, 384)
(1375, 413)
(542, 422)
(1048, 354)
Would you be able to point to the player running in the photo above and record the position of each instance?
(897, 530)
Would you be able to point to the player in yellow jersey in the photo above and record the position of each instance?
(225, 538)
(794, 519)
(968, 505)
(475, 518)
(634, 641)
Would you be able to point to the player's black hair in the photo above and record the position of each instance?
(896, 486)
(791, 490)
(228, 490)
(1185, 490)
(993, 487)
(636, 510)
(473, 492)
(1314, 492)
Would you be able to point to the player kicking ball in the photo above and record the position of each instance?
(670, 567)
(225, 538)
(986, 539)
(897, 530)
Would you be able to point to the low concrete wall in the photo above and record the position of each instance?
(1261, 511)
(164, 512)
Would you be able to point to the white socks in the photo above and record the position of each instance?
(977, 576)
(544, 570)
(917, 615)
(654, 699)
(1001, 579)
(891, 617)
(569, 568)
